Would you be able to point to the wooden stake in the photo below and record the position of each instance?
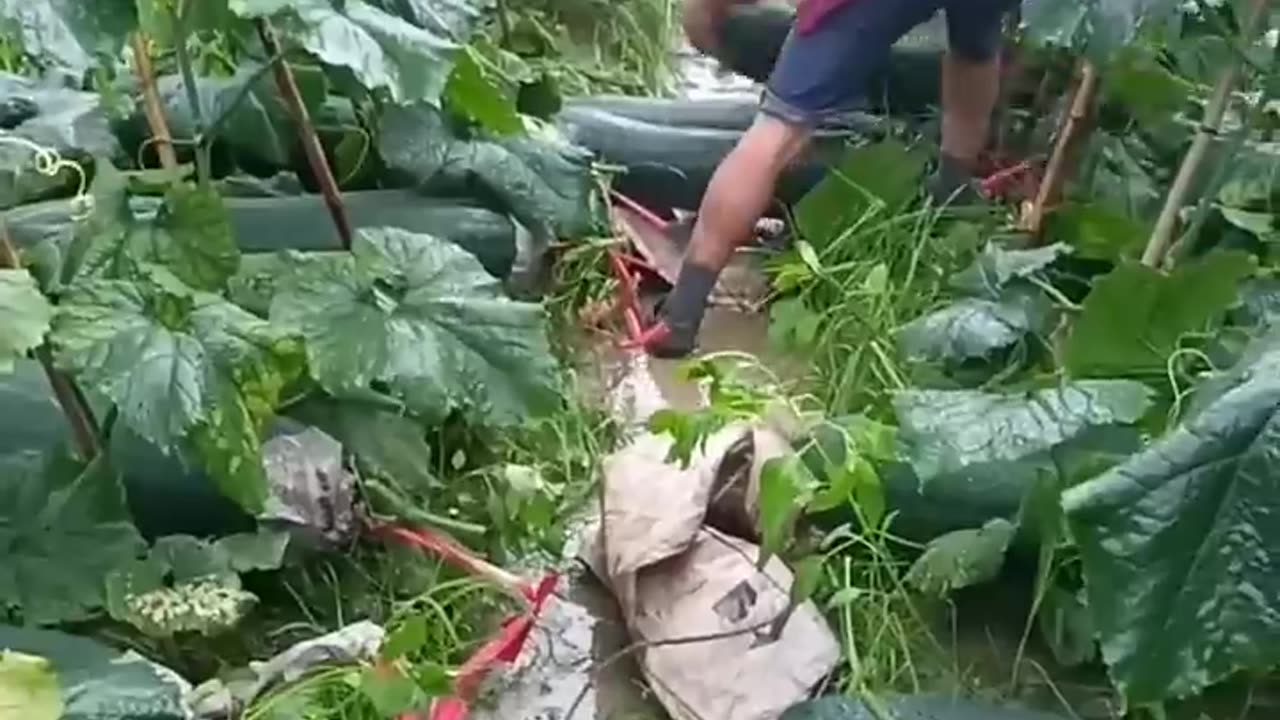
(1162, 235)
(288, 85)
(1071, 130)
(151, 104)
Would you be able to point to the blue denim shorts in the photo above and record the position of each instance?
(823, 75)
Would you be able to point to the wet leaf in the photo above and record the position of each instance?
(65, 527)
(389, 690)
(544, 181)
(995, 267)
(25, 316)
(975, 327)
(471, 92)
(28, 688)
(246, 552)
(962, 558)
(785, 486)
(1180, 550)
(384, 51)
(871, 178)
(180, 365)
(66, 34)
(386, 444)
(424, 317)
(1136, 316)
(409, 637)
(946, 431)
(1102, 27)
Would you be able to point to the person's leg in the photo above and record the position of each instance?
(970, 89)
(819, 77)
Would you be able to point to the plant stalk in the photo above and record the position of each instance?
(1162, 236)
(151, 104)
(84, 428)
(288, 85)
(187, 69)
(1069, 134)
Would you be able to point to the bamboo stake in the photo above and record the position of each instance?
(1162, 235)
(154, 109)
(1071, 130)
(84, 428)
(306, 129)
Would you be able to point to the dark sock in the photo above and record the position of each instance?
(683, 309)
(952, 182)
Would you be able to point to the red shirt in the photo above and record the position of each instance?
(811, 13)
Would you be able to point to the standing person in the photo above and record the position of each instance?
(822, 72)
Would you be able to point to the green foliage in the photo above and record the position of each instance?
(189, 585)
(543, 181)
(877, 176)
(1136, 317)
(190, 234)
(945, 431)
(732, 396)
(28, 687)
(385, 52)
(1179, 553)
(65, 35)
(1099, 27)
(422, 316)
(962, 558)
(65, 527)
(1004, 306)
(25, 316)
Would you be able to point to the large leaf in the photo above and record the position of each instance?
(128, 341)
(545, 182)
(188, 585)
(25, 315)
(257, 125)
(100, 682)
(1181, 549)
(946, 431)
(995, 267)
(1136, 316)
(190, 234)
(63, 528)
(66, 34)
(1100, 26)
(252, 365)
(424, 317)
(872, 178)
(180, 365)
(384, 51)
(975, 327)
(962, 558)
(385, 444)
(192, 237)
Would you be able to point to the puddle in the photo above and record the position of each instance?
(635, 385)
(562, 673)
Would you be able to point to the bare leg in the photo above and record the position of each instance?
(969, 93)
(739, 193)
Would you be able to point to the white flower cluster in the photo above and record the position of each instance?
(203, 606)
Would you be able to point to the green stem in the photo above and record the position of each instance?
(84, 429)
(203, 157)
(215, 126)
